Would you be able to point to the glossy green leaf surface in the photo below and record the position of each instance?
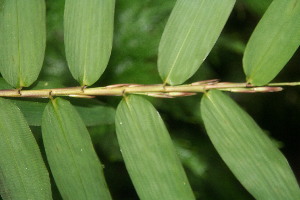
(92, 112)
(22, 40)
(88, 29)
(23, 174)
(74, 164)
(148, 152)
(191, 32)
(248, 152)
(273, 42)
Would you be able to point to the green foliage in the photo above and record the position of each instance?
(22, 48)
(258, 6)
(190, 34)
(88, 27)
(153, 163)
(23, 172)
(70, 153)
(273, 42)
(92, 112)
(244, 147)
(148, 152)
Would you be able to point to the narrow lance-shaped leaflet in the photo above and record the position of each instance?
(148, 152)
(88, 27)
(23, 174)
(191, 32)
(273, 42)
(22, 40)
(248, 152)
(74, 164)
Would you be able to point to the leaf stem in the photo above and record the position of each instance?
(285, 84)
(158, 90)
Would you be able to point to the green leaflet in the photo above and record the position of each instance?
(22, 40)
(23, 174)
(148, 152)
(248, 152)
(4, 85)
(191, 32)
(258, 6)
(273, 42)
(73, 161)
(92, 112)
(88, 27)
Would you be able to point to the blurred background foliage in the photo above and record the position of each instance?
(138, 28)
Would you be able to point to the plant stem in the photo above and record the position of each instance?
(158, 90)
(285, 84)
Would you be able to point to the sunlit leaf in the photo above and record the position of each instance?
(249, 153)
(92, 112)
(273, 42)
(148, 152)
(88, 27)
(73, 161)
(191, 32)
(22, 40)
(23, 174)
